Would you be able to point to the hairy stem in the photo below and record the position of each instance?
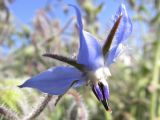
(39, 108)
(8, 114)
(83, 114)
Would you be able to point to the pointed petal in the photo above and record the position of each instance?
(79, 18)
(125, 27)
(124, 30)
(90, 52)
(55, 81)
(114, 54)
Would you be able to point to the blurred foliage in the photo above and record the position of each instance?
(135, 81)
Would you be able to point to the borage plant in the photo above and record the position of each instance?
(92, 64)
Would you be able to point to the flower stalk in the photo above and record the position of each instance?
(8, 114)
(155, 81)
(42, 105)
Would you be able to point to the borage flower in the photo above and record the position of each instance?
(91, 66)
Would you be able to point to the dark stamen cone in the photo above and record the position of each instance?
(106, 105)
(103, 100)
(94, 92)
(105, 90)
(98, 92)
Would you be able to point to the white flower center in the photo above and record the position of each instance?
(99, 74)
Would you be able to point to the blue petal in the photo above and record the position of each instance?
(113, 54)
(90, 52)
(123, 32)
(125, 28)
(79, 18)
(55, 81)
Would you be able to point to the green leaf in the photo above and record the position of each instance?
(99, 8)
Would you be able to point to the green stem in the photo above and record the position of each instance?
(155, 81)
(108, 116)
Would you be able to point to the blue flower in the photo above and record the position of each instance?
(92, 64)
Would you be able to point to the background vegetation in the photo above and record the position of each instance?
(135, 81)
